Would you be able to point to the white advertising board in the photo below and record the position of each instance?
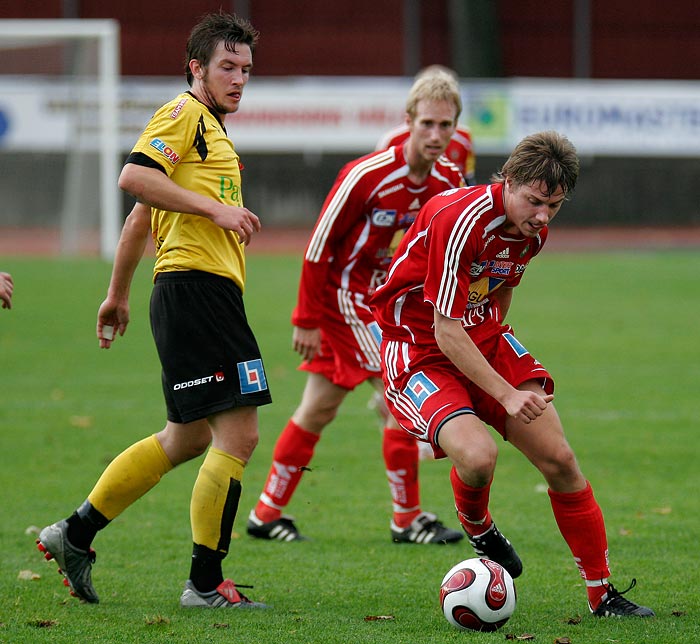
(311, 115)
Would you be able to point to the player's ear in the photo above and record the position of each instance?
(196, 69)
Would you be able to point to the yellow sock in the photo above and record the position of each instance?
(215, 497)
(129, 476)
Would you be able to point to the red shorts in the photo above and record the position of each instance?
(424, 389)
(349, 344)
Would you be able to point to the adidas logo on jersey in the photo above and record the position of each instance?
(415, 204)
(504, 254)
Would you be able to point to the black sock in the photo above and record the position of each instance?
(205, 571)
(84, 524)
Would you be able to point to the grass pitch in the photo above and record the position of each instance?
(618, 332)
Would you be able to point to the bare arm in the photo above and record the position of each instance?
(456, 344)
(114, 311)
(153, 187)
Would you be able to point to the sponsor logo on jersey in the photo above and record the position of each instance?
(480, 289)
(500, 268)
(383, 218)
(487, 242)
(419, 389)
(178, 108)
(165, 150)
(415, 204)
(252, 376)
(504, 254)
(388, 191)
(406, 219)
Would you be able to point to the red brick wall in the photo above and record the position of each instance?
(630, 38)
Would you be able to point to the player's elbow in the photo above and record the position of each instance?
(127, 181)
(132, 180)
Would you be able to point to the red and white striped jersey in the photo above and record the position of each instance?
(363, 218)
(460, 149)
(453, 259)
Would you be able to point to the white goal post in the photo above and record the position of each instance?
(28, 33)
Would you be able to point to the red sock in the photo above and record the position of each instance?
(293, 452)
(401, 461)
(581, 523)
(472, 505)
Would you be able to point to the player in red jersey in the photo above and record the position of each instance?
(451, 365)
(460, 149)
(373, 201)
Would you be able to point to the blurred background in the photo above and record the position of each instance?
(621, 78)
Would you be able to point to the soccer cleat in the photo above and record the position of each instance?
(425, 528)
(226, 595)
(282, 529)
(615, 605)
(74, 564)
(493, 545)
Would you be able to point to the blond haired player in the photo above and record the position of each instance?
(373, 201)
(460, 149)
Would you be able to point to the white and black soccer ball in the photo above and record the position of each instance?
(478, 595)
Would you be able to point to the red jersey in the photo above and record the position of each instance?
(363, 218)
(460, 149)
(454, 257)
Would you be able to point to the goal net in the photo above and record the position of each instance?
(59, 131)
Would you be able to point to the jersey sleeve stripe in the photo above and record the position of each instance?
(465, 223)
(320, 235)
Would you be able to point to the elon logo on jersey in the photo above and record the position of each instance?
(383, 218)
(252, 376)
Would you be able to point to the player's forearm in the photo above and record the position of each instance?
(130, 249)
(456, 344)
(156, 189)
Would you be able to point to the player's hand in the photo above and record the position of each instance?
(526, 406)
(306, 342)
(112, 319)
(7, 286)
(238, 219)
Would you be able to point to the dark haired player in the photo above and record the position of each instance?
(186, 169)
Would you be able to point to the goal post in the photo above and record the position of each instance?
(103, 81)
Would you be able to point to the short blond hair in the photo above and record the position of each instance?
(435, 86)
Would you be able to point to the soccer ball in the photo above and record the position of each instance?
(477, 594)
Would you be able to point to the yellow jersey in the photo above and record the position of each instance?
(190, 143)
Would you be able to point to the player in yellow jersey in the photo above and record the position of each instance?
(185, 168)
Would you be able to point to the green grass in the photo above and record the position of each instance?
(619, 333)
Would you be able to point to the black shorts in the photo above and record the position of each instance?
(210, 358)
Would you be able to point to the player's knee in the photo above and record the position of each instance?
(313, 418)
(561, 466)
(475, 464)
